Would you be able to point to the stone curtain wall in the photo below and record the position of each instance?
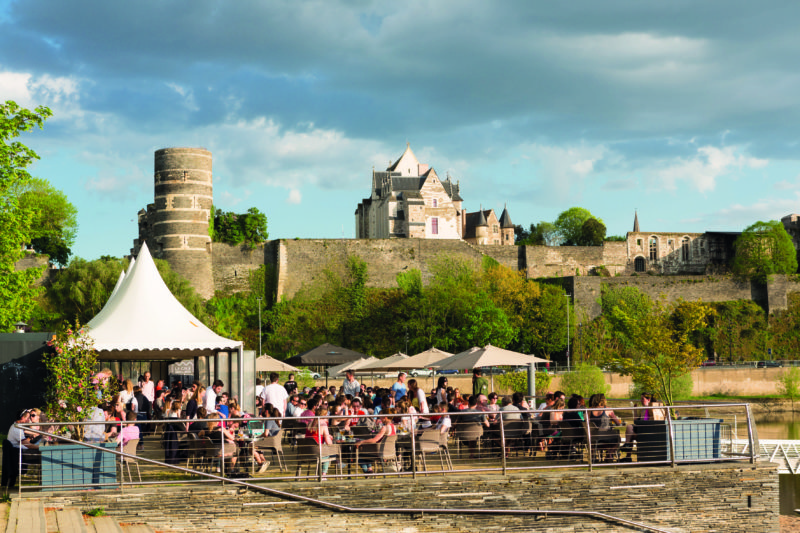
(557, 261)
(232, 264)
(586, 289)
(730, 497)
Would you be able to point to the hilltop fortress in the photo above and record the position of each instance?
(411, 219)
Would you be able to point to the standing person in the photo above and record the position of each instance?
(290, 385)
(259, 387)
(210, 401)
(275, 394)
(399, 388)
(148, 387)
(350, 385)
(419, 401)
(480, 385)
(441, 390)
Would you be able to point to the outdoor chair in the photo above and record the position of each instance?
(361, 432)
(382, 453)
(308, 452)
(516, 435)
(469, 432)
(573, 440)
(213, 453)
(432, 441)
(273, 444)
(126, 462)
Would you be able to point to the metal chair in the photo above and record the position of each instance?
(469, 432)
(433, 441)
(125, 462)
(516, 435)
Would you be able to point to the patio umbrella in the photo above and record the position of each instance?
(425, 359)
(381, 364)
(487, 356)
(352, 365)
(266, 363)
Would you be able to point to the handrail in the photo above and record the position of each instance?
(386, 510)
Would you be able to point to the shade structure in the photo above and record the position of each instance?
(143, 320)
(352, 365)
(425, 359)
(326, 355)
(266, 363)
(487, 356)
(383, 364)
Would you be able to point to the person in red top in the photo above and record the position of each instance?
(356, 409)
(318, 430)
(387, 430)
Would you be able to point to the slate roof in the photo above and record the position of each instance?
(505, 219)
(473, 220)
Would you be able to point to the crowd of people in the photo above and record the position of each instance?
(318, 412)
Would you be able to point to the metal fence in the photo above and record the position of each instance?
(408, 445)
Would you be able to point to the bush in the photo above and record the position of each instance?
(518, 381)
(585, 380)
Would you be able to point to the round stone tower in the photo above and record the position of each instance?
(182, 206)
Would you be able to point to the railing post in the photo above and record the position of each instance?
(750, 438)
(19, 468)
(588, 436)
(413, 451)
(319, 453)
(671, 436)
(222, 458)
(503, 442)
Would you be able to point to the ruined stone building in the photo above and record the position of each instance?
(409, 200)
(679, 253)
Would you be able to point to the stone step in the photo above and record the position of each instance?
(4, 510)
(70, 521)
(137, 528)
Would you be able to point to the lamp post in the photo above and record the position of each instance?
(259, 326)
(567, 297)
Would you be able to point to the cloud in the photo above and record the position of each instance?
(294, 197)
(561, 170)
(740, 215)
(703, 169)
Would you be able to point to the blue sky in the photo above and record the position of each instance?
(686, 111)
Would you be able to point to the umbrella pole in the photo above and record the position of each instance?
(492, 381)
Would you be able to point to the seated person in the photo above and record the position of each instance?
(318, 430)
(575, 418)
(221, 437)
(387, 430)
(602, 419)
(94, 433)
(357, 410)
(509, 410)
(130, 431)
(444, 423)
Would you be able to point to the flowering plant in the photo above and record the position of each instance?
(73, 385)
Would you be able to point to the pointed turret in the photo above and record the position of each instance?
(505, 219)
(481, 219)
(635, 222)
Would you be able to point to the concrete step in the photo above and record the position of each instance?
(103, 524)
(137, 528)
(4, 509)
(26, 517)
(70, 521)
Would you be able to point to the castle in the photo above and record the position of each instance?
(409, 200)
(411, 219)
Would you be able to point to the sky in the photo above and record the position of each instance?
(684, 111)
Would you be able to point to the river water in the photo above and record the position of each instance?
(784, 425)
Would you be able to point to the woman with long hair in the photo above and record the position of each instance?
(387, 430)
(318, 430)
(441, 390)
(420, 402)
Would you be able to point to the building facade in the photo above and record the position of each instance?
(409, 200)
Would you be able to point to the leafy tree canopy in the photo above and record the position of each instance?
(17, 289)
(55, 219)
(541, 234)
(249, 229)
(593, 233)
(764, 249)
(569, 224)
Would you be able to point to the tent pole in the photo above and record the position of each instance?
(241, 374)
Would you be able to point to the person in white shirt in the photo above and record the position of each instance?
(148, 387)
(259, 387)
(275, 394)
(350, 385)
(210, 401)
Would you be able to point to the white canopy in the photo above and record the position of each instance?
(487, 356)
(143, 315)
(352, 365)
(266, 363)
(382, 364)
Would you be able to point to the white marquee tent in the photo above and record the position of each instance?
(142, 320)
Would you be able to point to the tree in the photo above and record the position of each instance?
(249, 228)
(55, 224)
(660, 344)
(789, 384)
(17, 289)
(569, 223)
(584, 380)
(548, 323)
(541, 234)
(593, 233)
(762, 250)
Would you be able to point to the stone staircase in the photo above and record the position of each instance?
(31, 516)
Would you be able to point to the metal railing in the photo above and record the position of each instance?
(489, 441)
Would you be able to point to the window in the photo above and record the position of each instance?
(435, 203)
(638, 264)
(495, 228)
(497, 241)
(685, 249)
(653, 249)
(435, 226)
(638, 242)
(508, 237)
